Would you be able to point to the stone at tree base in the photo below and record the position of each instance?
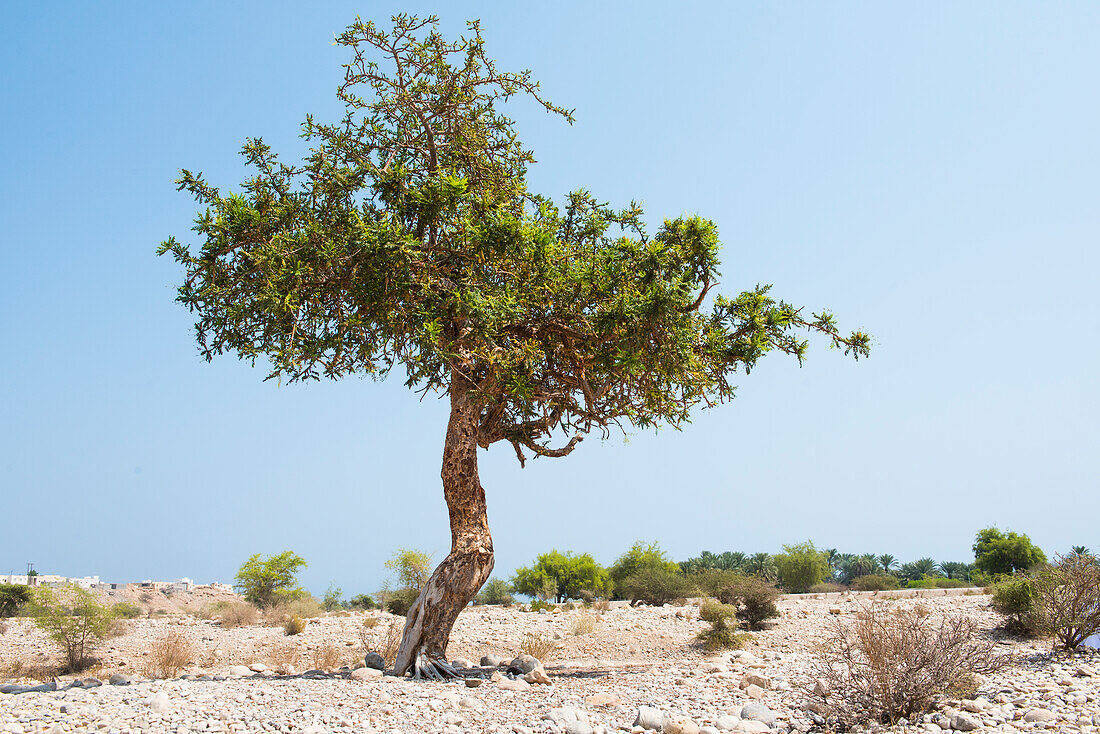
(524, 664)
(363, 674)
(650, 718)
(474, 682)
(491, 661)
(965, 722)
(461, 663)
(1040, 715)
(374, 660)
(754, 711)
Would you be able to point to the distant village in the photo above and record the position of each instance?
(93, 582)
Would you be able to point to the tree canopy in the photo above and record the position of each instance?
(408, 237)
(266, 581)
(563, 576)
(997, 552)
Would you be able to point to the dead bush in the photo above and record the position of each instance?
(371, 622)
(326, 656)
(538, 645)
(294, 625)
(168, 655)
(602, 606)
(583, 624)
(892, 663)
(235, 614)
(1068, 599)
(284, 657)
(384, 642)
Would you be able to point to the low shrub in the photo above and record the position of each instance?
(401, 600)
(73, 619)
(168, 656)
(235, 614)
(12, 598)
(752, 597)
(875, 582)
(723, 634)
(1068, 599)
(893, 663)
(828, 587)
(371, 622)
(1016, 600)
(384, 642)
(583, 624)
(657, 586)
(294, 625)
(362, 601)
(326, 656)
(126, 610)
(540, 646)
(284, 656)
(495, 591)
(603, 605)
(537, 605)
(936, 582)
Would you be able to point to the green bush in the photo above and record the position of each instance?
(713, 582)
(537, 605)
(495, 591)
(72, 618)
(12, 597)
(266, 582)
(294, 625)
(996, 552)
(401, 600)
(754, 599)
(657, 586)
(333, 598)
(723, 634)
(640, 557)
(801, 567)
(362, 601)
(875, 582)
(562, 576)
(126, 610)
(1016, 600)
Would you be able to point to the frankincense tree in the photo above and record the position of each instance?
(408, 237)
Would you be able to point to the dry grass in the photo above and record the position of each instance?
(168, 656)
(285, 656)
(602, 606)
(583, 624)
(539, 646)
(235, 614)
(371, 622)
(306, 608)
(326, 656)
(294, 625)
(893, 663)
(384, 642)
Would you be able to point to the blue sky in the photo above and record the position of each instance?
(927, 171)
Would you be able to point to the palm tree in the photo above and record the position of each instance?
(1079, 550)
(919, 568)
(762, 565)
(955, 570)
(732, 560)
(887, 562)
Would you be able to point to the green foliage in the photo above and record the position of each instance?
(266, 582)
(333, 598)
(362, 601)
(640, 557)
(537, 605)
(408, 237)
(801, 567)
(12, 597)
(401, 600)
(753, 597)
(72, 618)
(762, 565)
(294, 625)
(1015, 598)
(563, 576)
(875, 582)
(722, 634)
(918, 570)
(412, 567)
(997, 553)
(956, 570)
(125, 610)
(657, 586)
(495, 591)
(707, 561)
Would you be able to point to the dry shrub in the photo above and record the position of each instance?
(306, 607)
(294, 625)
(1068, 599)
(583, 624)
(371, 622)
(538, 645)
(235, 614)
(284, 656)
(602, 606)
(385, 643)
(326, 656)
(892, 663)
(168, 655)
(3, 628)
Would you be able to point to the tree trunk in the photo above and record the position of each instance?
(457, 579)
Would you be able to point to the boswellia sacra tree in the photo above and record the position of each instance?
(408, 237)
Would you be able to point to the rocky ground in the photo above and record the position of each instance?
(639, 669)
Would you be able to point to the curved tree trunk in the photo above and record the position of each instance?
(457, 579)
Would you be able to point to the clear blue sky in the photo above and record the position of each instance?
(928, 171)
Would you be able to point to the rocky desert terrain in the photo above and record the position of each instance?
(639, 669)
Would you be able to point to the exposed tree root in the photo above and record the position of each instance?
(428, 668)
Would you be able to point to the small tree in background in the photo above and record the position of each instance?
(570, 576)
(801, 567)
(495, 591)
(998, 553)
(333, 598)
(12, 597)
(1068, 599)
(640, 557)
(408, 238)
(362, 601)
(762, 565)
(266, 582)
(73, 618)
(412, 567)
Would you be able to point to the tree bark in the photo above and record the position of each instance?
(457, 579)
